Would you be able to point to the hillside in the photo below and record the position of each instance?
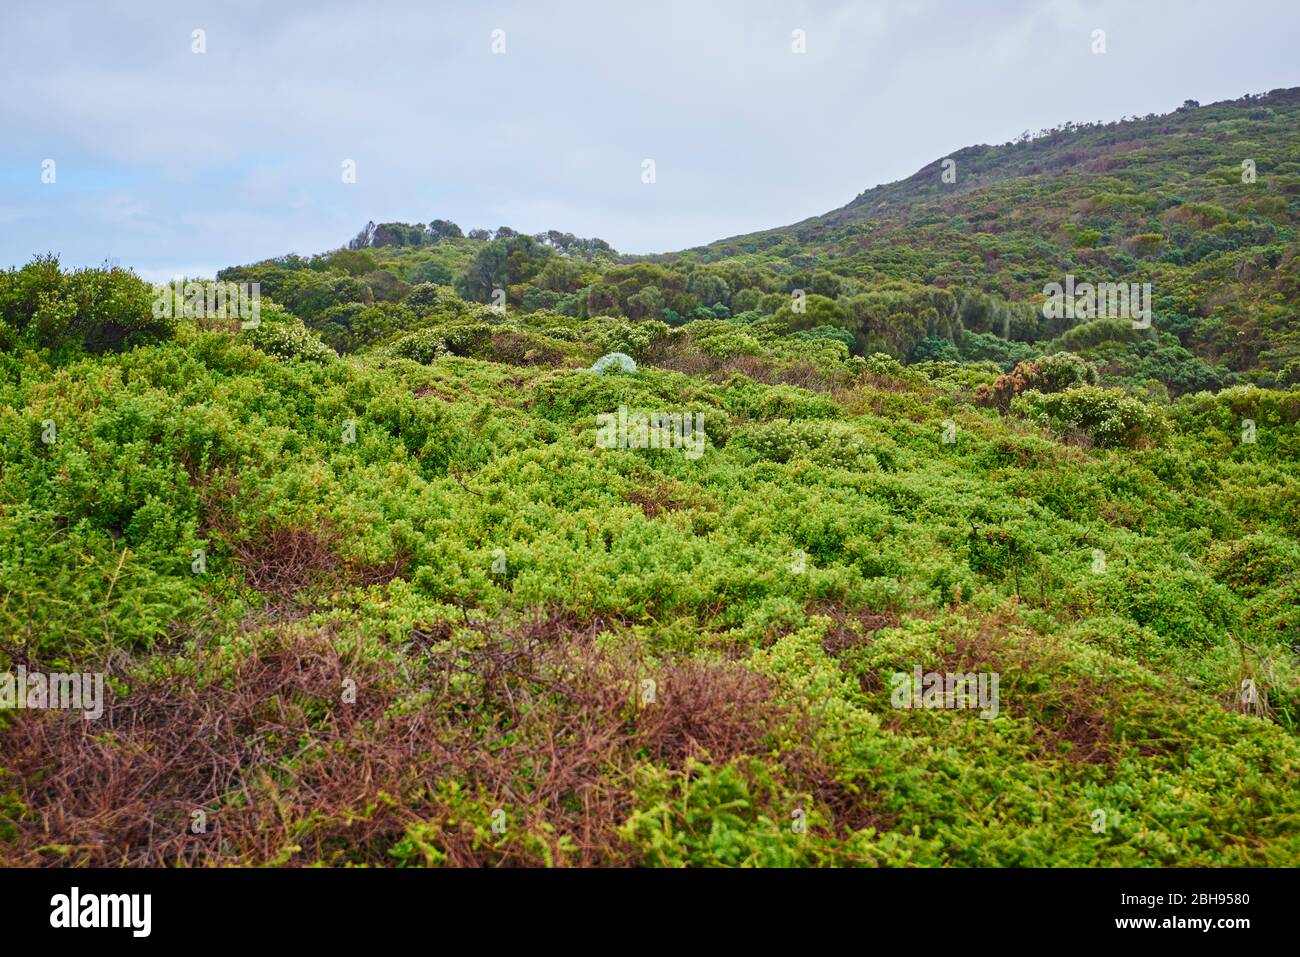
(394, 574)
(925, 268)
(1160, 199)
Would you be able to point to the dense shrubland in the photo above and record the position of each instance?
(559, 653)
(499, 591)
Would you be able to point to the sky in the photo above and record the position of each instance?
(541, 115)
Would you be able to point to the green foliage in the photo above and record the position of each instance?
(982, 347)
(710, 818)
(500, 264)
(1106, 417)
(826, 443)
(91, 310)
(1093, 333)
(205, 443)
(634, 339)
(934, 349)
(432, 513)
(1061, 370)
(424, 346)
(285, 337)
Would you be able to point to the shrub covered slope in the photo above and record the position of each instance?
(370, 586)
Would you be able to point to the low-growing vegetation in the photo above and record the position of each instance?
(368, 587)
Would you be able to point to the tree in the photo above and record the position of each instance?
(602, 300)
(831, 333)
(501, 263)
(646, 304)
(932, 348)
(364, 238)
(708, 288)
(978, 311)
(561, 274)
(397, 234)
(97, 310)
(354, 262)
(444, 229)
(807, 313)
(746, 299)
(385, 287)
(431, 272)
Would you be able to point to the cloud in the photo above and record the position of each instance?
(167, 156)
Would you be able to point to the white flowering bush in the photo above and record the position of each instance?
(615, 362)
(1108, 418)
(425, 346)
(288, 340)
(817, 440)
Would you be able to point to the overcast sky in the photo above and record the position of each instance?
(172, 161)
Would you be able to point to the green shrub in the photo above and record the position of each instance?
(934, 349)
(95, 310)
(1062, 370)
(424, 346)
(465, 339)
(430, 297)
(726, 345)
(824, 442)
(828, 333)
(288, 340)
(1105, 417)
(982, 346)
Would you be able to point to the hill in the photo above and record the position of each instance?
(1200, 203)
(462, 549)
(1198, 206)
